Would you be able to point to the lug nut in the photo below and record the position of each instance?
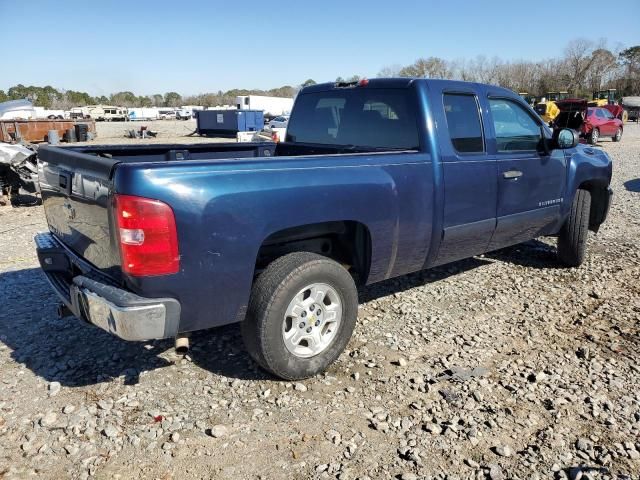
(304, 314)
(311, 308)
(317, 322)
(301, 325)
(309, 330)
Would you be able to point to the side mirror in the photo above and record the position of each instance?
(566, 138)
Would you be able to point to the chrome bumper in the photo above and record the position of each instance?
(115, 310)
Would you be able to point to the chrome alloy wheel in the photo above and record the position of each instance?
(312, 320)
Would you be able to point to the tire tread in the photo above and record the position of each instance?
(572, 241)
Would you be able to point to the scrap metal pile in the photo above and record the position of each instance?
(18, 169)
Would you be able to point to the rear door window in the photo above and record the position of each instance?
(463, 122)
(515, 128)
(356, 117)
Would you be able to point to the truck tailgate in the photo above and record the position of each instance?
(76, 196)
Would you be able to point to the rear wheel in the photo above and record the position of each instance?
(618, 136)
(301, 315)
(572, 241)
(594, 136)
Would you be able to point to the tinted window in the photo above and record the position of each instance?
(359, 117)
(515, 129)
(607, 114)
(463, 121)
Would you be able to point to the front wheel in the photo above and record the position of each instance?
(618, 136)
(301, 315)
(572, 241)
(594, 136)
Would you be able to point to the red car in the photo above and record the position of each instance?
(600, 122)
(593, 123)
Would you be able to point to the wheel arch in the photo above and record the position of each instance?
(599, 191)
(345, 241)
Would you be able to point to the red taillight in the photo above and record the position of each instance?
(147, 236)
(363, 83)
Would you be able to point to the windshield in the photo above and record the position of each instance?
(358, 117)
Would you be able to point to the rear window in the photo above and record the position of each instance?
(359, 117)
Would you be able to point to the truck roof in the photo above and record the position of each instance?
(404, 83)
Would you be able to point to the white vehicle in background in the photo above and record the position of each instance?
(142, 113)
(101, 113)
(271, 106)
(183, 114)
(166, 113)
(280, 121)
(46, 113)
(188, 111)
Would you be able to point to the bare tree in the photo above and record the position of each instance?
(390, 71)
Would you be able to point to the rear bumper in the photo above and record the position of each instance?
(89, 296)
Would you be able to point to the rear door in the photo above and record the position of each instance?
(609, 121)
(531, 183)
(469, 216)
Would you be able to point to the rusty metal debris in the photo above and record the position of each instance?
(35, 131)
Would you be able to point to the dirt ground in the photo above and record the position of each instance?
(501, 366)
(168, 131)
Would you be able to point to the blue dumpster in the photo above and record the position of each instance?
(228, 122)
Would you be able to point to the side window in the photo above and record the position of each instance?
(607, 114)
(463, 122)
(599, 113)
(515, 129)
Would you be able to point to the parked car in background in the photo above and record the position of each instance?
(183, 114)
(600, 122)
(279, 122)
(374, 179)
(592, 123)
(167, 114)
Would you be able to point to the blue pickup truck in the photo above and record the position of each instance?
(375, 179)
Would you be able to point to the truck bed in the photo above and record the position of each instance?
(77, 182)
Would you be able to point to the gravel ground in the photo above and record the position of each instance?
(169, 131)
(501, 366)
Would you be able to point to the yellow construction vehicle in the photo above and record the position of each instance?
(607, 98)
(547, 108)
(603, 97)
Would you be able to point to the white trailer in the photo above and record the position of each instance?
(42, 112)
(100, 113)
(142, 113)
(271, 106)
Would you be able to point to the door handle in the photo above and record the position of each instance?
(512, 174)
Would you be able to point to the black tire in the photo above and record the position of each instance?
(618, 136)
(270, 297)
(572, 241)
(594, 136)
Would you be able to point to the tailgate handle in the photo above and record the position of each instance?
(64, 182)
(512, 174)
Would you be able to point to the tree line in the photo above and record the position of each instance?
(584, 67)
(52, 98)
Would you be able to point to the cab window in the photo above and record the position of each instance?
(463, 122)
(515, 128)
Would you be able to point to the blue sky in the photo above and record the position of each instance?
(194, 46)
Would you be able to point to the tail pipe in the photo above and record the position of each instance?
(182, 344)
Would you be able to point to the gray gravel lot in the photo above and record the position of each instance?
(168, 131)
(501, 366)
